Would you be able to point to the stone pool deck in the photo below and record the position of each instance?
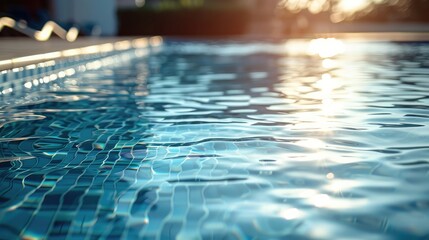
(19, 52)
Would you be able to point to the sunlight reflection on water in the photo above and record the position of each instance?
(321, 139)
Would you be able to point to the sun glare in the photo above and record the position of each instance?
(326, 47)
(340, 9)
(350, 6)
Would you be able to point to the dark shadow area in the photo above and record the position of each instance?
(184, 22)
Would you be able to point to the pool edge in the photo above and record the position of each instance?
(89, 49)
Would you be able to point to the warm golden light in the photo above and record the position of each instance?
(6, 22)
(72, 34)
(45, 33)
(350, 6)
(324, 96)
(122, 45)
(326, 47)
(339, 9)
(329, 63)
(42, 35)
(140, 43)
(155, 41)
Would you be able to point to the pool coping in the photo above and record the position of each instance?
(63, 50)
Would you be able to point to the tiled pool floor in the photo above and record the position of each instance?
(224, 140)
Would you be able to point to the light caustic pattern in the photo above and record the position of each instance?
(232, 140)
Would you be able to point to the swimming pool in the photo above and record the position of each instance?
(321, 139)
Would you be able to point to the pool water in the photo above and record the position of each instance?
(322, 139)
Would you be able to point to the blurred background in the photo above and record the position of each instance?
(269, 18)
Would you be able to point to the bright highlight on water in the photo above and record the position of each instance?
(321, 139)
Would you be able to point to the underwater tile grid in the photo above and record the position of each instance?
(321, 139)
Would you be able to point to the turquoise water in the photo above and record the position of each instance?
(224, 140)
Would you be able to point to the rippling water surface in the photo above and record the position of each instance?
(225, 140)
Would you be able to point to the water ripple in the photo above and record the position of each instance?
(224, 140)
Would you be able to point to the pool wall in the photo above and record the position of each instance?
(24, 74)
